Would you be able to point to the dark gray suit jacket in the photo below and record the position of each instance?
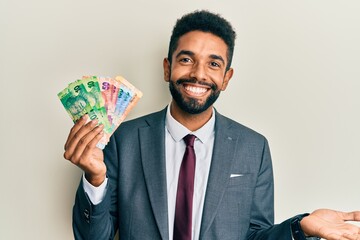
(239, 207)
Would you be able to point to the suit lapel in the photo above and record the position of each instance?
(152, 144)
(220, 170)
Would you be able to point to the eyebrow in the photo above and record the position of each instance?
(217, 57)
(191, 54)
(185, 52)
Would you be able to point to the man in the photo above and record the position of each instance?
(134, 184)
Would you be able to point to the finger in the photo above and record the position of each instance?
(83, 144)
(89, 148)
(81, 122)
(78, 136)
(92, 144)
(351, 216)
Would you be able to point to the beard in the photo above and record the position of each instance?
(192, 105)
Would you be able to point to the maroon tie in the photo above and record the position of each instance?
(185, 191)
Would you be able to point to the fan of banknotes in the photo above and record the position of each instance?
(109, 100)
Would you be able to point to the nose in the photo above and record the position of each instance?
(198, 72)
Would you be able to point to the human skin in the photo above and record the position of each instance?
(200, 56)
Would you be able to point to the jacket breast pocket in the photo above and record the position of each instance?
(243, 180)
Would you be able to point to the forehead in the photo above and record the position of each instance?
(202, 43)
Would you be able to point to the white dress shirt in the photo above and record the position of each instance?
(175, 149)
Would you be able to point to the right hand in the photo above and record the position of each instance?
(81, 150)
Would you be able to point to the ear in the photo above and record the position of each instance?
(166, 66)
(228, 75)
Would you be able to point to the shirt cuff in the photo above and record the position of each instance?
(95, 194)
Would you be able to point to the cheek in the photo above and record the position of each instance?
(177, 73)
(180, 71)
(219, 80)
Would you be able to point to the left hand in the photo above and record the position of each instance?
(331, 225)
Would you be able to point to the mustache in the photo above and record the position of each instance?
(189, 80)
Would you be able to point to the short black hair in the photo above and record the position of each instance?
(204, 21)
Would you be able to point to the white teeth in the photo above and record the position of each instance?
(197, 90)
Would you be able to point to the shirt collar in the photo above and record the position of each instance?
(178, 131)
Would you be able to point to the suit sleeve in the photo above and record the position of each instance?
(262, 211)
(98, 221)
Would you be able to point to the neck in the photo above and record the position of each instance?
(191, 121)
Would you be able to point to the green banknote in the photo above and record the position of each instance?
(74, 102)
(93, 93)
(108, 100)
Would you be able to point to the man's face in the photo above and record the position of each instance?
(198, 73)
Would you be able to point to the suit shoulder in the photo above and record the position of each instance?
(241, 129)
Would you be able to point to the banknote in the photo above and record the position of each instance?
(130, 97)
(97, 102)
(74, 101)
(79, 101)
(109, 100)
(107, 89)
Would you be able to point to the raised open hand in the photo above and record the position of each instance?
(332, 225)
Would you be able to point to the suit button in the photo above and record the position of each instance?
(87, 215)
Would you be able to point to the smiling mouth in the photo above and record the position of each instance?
(195, 90)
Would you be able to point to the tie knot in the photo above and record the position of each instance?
(189, 140)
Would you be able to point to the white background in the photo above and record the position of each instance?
(297, 81)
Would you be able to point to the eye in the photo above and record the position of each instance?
(214, 64)
(185, 60)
